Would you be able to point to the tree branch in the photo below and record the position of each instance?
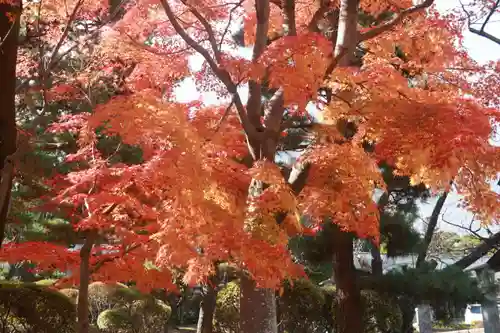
(222, 74)
(254, 88)
(484, 34)
(298, 177)
(208, 29)
(431, 228)
(64, 35)
(478, 252)
(262, 11)
(6, 179)
(289, 17)
(490, 14)
(230, 19)
(395, 21)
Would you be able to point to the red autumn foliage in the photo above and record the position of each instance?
(187, 204)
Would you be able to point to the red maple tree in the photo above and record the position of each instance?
(209, 188)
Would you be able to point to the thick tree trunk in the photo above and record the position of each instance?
(207, 309)
(83, 292)
(349, 311)
(257, 308)
(9, 32)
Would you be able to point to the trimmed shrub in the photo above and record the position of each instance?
(116, 308)
(143, 316)
(382, 313)
(71, 294)
(33, 308)
(227, 310)
(304, 307)
(307, 308)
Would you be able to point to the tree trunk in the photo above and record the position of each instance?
(9, 32)
(257, 308)
(83, 292)
(408, 312)
(349, 311)
(207, 309)
(408, 305)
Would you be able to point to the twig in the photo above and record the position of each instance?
(8, 33)
(222, 74)
(393, 22)
(229, 23)
(65, 33)
(208, 29)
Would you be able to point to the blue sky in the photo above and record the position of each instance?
(480, 49)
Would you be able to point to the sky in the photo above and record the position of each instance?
(482, 50)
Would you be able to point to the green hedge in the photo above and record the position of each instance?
(116, 308)
(306, 307)
(33, 308)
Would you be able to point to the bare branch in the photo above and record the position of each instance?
(394, 21)
(222, 74)
(481, 32)
(208, 29)
(431, 228)
(254, 88)
(54, 63)
(486, 35)
(230, 19)
(190, 41)
(490, 14)
(64, 34)
(478, 252)
(469, 228)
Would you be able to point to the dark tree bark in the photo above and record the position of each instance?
(349, 311)
(9, 32)
(83, 292)
(207, 310)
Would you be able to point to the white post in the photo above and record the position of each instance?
(424, 314)
(489, 308)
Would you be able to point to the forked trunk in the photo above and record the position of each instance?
(349, 311)
(257, 308)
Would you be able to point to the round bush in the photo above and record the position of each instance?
(114, 320)
(303, 307)
(35, 307)
(227, 310)
(71, 294)
(118, 308)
